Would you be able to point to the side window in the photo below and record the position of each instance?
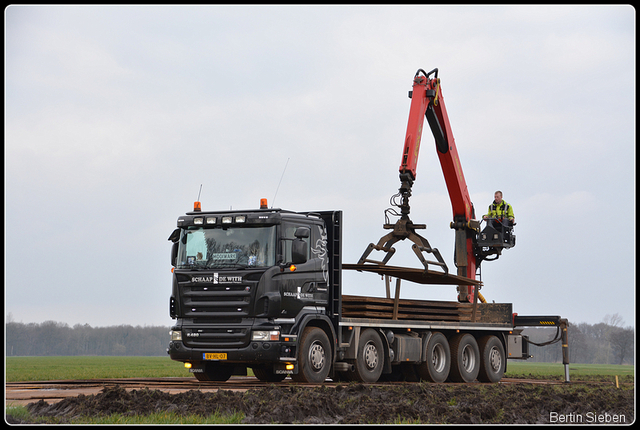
(289, 235)
(196, 246)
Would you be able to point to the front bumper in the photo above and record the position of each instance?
(256, 353)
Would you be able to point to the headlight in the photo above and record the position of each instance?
(241, 218)
(265, 335)
(198, 220)
(211, 220)
(227, 220)
(175, 334)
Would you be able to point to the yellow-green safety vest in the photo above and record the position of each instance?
(503, 210)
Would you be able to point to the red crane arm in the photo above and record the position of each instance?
(427, 101)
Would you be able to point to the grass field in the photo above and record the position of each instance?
(54, 368)
(577, 372)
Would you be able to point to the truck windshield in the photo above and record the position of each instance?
(202, 248)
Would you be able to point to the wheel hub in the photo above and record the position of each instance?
(316, 356)
(468, 359)
(370, 355)
(495, 360)
(438, 358)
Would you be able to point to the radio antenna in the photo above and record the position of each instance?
(274, 196)
(199, 192)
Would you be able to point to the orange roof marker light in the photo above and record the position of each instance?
(196, 204)
(263, 204)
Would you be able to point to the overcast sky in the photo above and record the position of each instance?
(114, 117)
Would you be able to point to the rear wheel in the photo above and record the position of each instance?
(465, 358)
(214, 372)
(492, 359)
(314, 357)
(370, 361)
(438, 360)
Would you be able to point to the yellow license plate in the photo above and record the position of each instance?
(215, 355)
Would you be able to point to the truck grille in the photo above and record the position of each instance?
(216, 337)
(218, 305)
(216, 301)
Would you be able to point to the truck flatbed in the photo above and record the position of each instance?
(424, 325)
(427, 311)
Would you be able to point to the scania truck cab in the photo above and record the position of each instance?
(245, 285)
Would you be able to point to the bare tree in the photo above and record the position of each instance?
(622, 342)
(614, 320)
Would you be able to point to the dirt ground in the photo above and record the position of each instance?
(358, 403)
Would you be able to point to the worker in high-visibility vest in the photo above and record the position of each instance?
(500, 211)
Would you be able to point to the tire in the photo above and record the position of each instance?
(465, 358)
(314, 358)
(438, 360)
(267, 375)
(492, 359)
(370, 361)
(215, 372)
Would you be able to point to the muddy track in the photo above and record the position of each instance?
(21, 393)
(508, 402)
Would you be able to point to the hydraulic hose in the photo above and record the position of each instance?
(481, 298)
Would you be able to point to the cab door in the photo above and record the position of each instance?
(302, 280)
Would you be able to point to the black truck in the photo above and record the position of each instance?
(262, 289)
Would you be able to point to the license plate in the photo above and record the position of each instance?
(214, 355)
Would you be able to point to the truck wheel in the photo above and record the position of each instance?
(215, 372)
(438, 360)
(492, 359)
(267, 375)
(465, 358)
(314, 357)
(370, 361)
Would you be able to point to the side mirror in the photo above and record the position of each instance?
(174, 254)
(299, 251)
(175, 235)
(302, 232)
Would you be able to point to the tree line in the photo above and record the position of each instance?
(603, 343)
(52, 338)
(607, 342)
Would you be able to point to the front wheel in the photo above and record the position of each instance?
(314, 357)
(267, 375)
(215, 372)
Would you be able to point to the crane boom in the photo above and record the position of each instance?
(427, 101)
